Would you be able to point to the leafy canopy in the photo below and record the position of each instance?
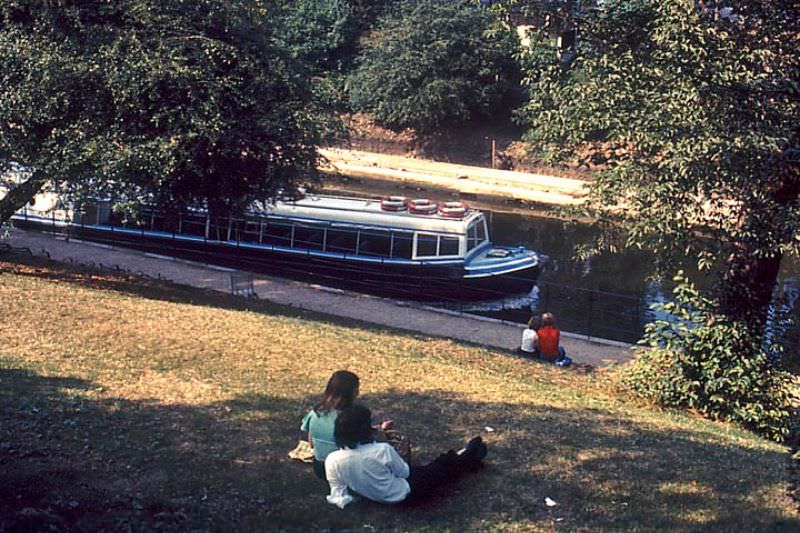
(322, 34)
(696, 112)
(187, 102)
(437, 64)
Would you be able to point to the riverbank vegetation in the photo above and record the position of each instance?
(130, 403)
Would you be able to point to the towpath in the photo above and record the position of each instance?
(475, 182)
(311, 297)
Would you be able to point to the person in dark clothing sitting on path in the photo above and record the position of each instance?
(376, 471)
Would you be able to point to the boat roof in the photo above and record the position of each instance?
(367, 212)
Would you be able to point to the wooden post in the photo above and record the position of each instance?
(494, 153)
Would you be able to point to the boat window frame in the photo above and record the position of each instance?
(269, 238)
(458, 238)
(311, 227)
(393, 246)
(353, 230)
(417, 235)
(473, 228)
(377, 232)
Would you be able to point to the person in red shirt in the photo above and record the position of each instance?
(549, 337)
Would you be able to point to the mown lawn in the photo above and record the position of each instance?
(127, 404)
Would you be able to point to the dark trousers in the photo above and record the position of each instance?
(426, 479)
(319, 469)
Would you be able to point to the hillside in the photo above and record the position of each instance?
(134, 404)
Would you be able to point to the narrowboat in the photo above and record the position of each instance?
(406, 248)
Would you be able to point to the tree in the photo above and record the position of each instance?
(369, 12)
(320, 33)
(184, 102)
(696, 111)
(437, 64)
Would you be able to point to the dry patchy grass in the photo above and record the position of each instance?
(133, 404)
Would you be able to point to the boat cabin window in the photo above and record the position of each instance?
(193, 224)
(251, 231)
(476, 234)
(448, 245)
(235, 227)
(430, 245)
(427, 244)
(374, 243)
(402, 243)
(218, 231)
(341, 241)
(278, 233)
(158, 221)
(309, 237)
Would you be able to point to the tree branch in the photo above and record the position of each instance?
(21, 195)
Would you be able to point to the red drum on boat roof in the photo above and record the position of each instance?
(394, 203)
(422, 206)
(453, 209)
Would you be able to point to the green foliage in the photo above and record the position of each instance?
(700, 360)
(320, 33)
(368, 12)
(694, 115)
(187, 102)
(437, 64)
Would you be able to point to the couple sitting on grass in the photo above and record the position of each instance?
(356, 459)
(542, 339)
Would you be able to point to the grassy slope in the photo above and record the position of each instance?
(130, 403)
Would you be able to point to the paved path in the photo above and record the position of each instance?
(361, 307)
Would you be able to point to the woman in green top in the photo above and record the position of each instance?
(341, 391)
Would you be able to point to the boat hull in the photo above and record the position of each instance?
(418, 281)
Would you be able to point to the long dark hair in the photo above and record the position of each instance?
(353, 427)
(340, 392)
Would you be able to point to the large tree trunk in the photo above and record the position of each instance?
(20, 195)
(748, 286)
(752, 273)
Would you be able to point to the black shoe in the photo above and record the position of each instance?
(472, 456)
(473, 446)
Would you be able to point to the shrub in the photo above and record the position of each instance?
(701, 361)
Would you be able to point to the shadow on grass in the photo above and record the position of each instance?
(74, 458)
